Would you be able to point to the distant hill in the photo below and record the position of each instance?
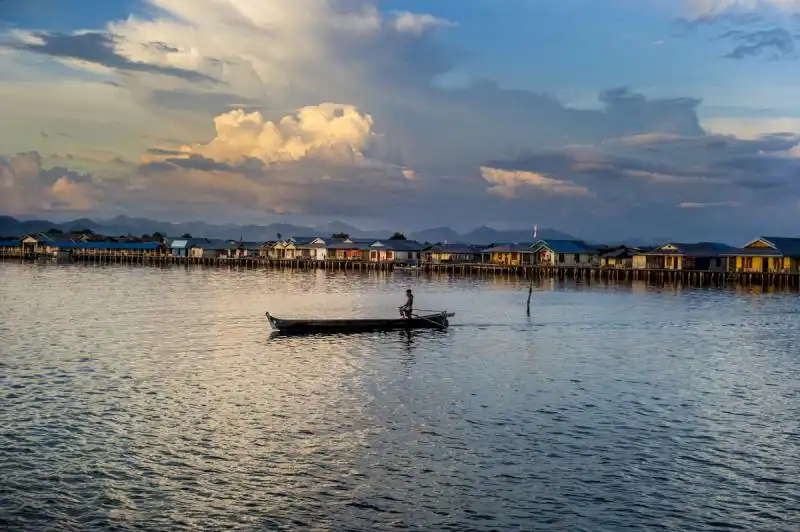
(124, 225)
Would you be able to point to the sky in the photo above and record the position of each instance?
(605, 119)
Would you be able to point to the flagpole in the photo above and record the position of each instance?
(530, 286)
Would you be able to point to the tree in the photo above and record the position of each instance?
(340, 236)
(87, 232)
(397, 236)
(186, 235)
(55, 231)
(157, 236)
(279, 236)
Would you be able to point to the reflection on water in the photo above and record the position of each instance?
(146, 398)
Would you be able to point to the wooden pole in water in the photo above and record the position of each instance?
(530, 285)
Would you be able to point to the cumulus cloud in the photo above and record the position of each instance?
(337, 133)
(315, 161)
(506, 182)
(26, 187)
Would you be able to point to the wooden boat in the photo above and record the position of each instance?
(428, 321)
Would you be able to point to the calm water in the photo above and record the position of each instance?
(153, 399)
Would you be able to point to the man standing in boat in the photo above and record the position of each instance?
(407, 309)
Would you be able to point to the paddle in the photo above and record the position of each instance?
(426, 319)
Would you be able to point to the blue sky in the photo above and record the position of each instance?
(613, 119)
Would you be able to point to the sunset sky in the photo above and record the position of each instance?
(601, 118)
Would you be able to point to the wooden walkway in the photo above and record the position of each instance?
(699, 278)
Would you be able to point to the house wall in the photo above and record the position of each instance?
(203, 253)
(381, 255)
(648, 262)
(705, 264)
(346, 254)
(312, 253)
(284, 252)
(512, 258)
(438, 257)
(549, 258)
(617, 262)
(11, 251)
(404, 256)
(749, 264)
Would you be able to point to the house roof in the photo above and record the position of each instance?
(787, 246)
(339, 244)
(302, 240)
(180, 243)
(109, 245)
(244, 245)
(213, 244)
(565, 246)
(463, 249)
(398, 245)
(620, 253)
(10, 243)
(694, 249)
(517, 247)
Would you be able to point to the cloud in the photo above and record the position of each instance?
(695, 205)
(756, 28)
(26, 187)
(315, 161)
(646, 177)
(97, 49)
(779, 41)
(706, 10)
(505, 183)
(418, 23)
(336, 133)
(335, 108)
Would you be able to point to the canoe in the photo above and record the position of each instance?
(427, 321)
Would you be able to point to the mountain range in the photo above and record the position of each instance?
(124, 225)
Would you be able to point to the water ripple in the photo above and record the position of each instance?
(144, 398)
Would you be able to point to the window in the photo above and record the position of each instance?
(748, 262)
(577, 258)
(561, 258)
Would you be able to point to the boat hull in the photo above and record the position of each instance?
(428, 321)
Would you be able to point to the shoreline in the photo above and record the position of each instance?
(577, 273)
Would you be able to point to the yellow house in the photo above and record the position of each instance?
(509, 254)
(284, 249)
(767, 254)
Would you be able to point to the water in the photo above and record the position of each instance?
(153, 399)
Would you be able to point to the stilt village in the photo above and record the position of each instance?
(765, 260)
